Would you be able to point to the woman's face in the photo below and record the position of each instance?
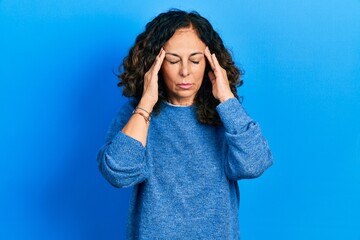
(184, 66)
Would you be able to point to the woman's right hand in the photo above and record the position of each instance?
(150, 92)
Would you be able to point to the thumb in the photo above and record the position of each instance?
(212, 77)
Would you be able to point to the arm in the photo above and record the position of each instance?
(122, 159)
(137, 127)
(248, 154)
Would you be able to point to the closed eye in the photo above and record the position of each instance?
(172, 61)
(196, 60)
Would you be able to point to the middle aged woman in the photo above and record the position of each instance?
(183, 160)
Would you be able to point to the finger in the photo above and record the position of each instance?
(151, 69)
(159, 60)
(209, 58)
(212, 77)
(215, 62)
(219, 71)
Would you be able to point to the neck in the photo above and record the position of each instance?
(181, 102)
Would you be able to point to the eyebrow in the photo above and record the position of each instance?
(174, 54)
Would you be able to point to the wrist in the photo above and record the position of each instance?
(226, 97)
(145, 106)
(146, 118)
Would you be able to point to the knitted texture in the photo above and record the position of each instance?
(185, 179)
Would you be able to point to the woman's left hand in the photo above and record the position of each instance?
(218, 77)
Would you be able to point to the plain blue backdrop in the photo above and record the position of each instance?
(58, 96)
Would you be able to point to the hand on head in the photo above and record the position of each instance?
(150, 92)
(218, 77)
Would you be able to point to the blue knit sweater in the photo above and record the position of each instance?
(185, 179)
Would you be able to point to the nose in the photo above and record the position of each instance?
(184, 71)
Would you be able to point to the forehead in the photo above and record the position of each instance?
(184, 40)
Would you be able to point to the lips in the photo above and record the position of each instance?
(184, 85)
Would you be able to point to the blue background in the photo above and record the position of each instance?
(58, 96)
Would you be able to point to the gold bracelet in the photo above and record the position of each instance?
(143, 110)
(147, 119)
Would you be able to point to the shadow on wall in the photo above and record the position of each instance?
(79, 203)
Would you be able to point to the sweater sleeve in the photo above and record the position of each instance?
(248, 154)
(121, 159)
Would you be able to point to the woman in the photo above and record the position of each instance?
(183, 140)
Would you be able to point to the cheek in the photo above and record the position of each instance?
(168, 71)
(168, 75)
(199, 72)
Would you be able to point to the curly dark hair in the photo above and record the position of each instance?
(148, 44)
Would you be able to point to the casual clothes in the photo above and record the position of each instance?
(185, 179)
